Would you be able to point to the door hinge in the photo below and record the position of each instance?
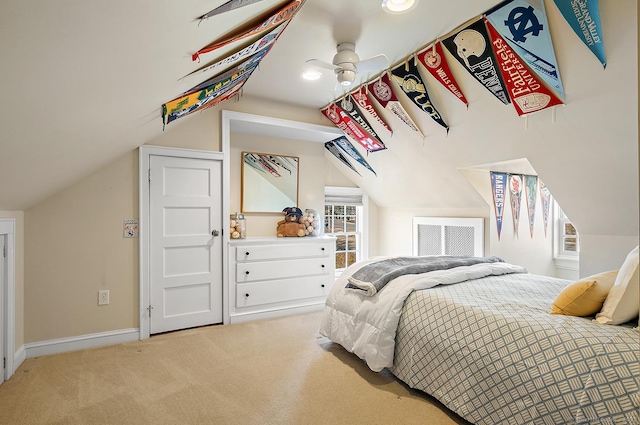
(4, 251)
(4, 362)
(149, 174)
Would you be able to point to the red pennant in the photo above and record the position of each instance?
(528, 94)
(364, 103)
(383, 92)
(351, 129)
(435, 62)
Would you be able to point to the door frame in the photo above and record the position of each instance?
(144, 154)
(8, 298)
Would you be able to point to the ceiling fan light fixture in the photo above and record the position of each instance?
(398, 6)
(346, 77)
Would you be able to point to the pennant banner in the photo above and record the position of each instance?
(204, 93)
(527, 93)
(331, 147)
(472, 48)
(435, 62)
(364, 103)
(253, 48)
(348, 105)
(408, 78)
(344, 122)
(498, 187)
(282, 15)
(383, 92)
(523, 25)
(515, 192)
(344, 144)
(584, 18)
(226, 7)
(545, 198)
(531, 188)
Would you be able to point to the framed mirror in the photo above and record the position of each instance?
(269, 182)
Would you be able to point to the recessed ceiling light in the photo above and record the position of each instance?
(311, 75)
(398, 6)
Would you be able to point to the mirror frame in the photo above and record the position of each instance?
(275, 165)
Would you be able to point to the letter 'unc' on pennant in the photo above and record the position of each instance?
(584, 18)
(364, 103)
(344, 144)
(331, 147)
(383, 92)
(523, 25)
(341, 120)
(471, 47)
(410, 81)
(435, 62)
(498, 188)
(528, 94)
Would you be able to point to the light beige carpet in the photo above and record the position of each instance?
(278, 371)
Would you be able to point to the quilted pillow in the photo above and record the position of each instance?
(622, 303)
(584, 297)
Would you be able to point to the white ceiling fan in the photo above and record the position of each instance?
(347, 64)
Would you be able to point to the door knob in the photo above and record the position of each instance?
(215, 233)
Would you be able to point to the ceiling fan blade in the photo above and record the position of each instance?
(321, 64)
(373, 64)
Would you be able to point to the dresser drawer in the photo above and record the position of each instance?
(275, 291)
(284, 251)
(249, 272)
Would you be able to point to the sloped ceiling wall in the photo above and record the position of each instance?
(587, 154)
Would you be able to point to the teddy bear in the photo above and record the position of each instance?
(290, 226)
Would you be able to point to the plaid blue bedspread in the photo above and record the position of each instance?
(490, 351)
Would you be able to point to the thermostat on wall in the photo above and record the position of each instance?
(131, 228)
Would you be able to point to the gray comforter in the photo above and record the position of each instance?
(491, 352)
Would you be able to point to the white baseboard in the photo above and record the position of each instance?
(81, 342)
(18, 358)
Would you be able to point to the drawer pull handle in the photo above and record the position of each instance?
(246, 295)
(247, 272)
(323, 266)
(322, 285)
(246, 253)
(322, 248)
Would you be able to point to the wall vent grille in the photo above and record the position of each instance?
(448, 236)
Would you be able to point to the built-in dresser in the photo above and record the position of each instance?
(270, 277)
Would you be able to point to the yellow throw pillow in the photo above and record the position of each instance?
(586, 296)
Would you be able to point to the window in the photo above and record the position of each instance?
(344, 218)
(568, 239)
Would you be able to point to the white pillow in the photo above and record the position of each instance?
(622, 303)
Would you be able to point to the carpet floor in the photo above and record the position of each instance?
(277, 371)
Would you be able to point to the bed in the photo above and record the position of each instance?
(480, 339)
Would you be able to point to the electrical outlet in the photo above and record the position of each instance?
(103, 297)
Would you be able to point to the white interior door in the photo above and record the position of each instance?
(3, 310)
(185, 252)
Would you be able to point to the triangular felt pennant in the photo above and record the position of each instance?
(344, 144)
(226, 95)
(408, 78)
(364, 103)
(348, 105)
(331, 147)
(528, 94)
(584, 17)
(255, 47)
(383, 92)
(523, 24)
(531, 190)
(515, 192)
(284, 14)
(471, 46)
(228, 6)
(545, 198)
(435, 62)
(341, 120)
(498, 187)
